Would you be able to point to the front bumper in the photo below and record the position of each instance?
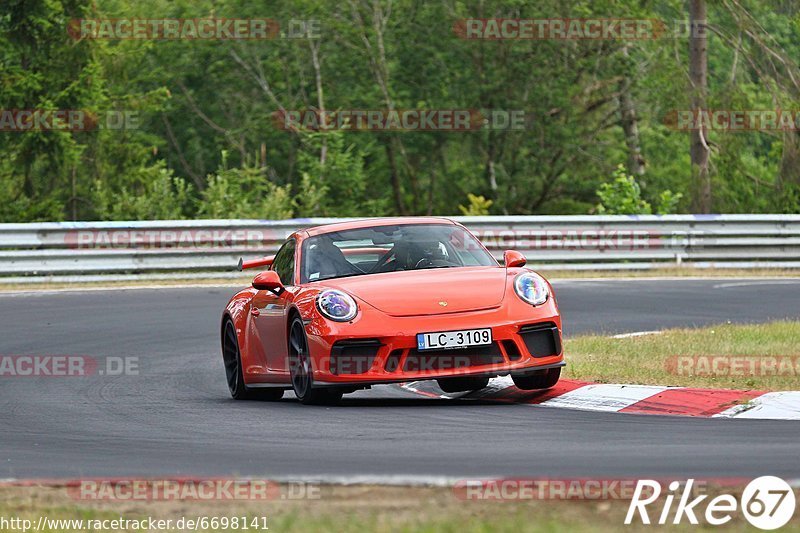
(524, 339)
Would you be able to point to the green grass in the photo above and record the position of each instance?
(646, 359)
(361, 508)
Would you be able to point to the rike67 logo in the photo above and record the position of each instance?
(767, 503)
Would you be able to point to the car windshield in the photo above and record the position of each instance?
(393, 248)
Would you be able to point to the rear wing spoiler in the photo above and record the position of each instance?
(255, 263)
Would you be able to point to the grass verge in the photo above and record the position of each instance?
(685, 357)
(360, 508)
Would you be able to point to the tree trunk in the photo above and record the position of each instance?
(489, 170)
(394, 177)
(630, 126)
(698, 77)
(789, 175)
(314, 47)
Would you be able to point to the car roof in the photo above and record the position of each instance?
(372, 222)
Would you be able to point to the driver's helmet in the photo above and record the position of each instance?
(420, 250)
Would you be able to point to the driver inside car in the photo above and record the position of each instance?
(424, 254)
(326, 261)
(409, 255)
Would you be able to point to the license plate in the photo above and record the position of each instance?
(444, 340)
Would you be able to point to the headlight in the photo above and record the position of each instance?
(532, 288)
(337, 305)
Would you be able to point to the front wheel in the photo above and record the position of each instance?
(544, 379)
(302, 372)
(232, 358)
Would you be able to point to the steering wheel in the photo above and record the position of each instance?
(423, 263)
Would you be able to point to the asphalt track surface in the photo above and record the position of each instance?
(176, 417)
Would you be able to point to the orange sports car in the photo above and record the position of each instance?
(345, 306)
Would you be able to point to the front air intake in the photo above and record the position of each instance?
(354, 356)
(542, 340)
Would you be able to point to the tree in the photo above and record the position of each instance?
(588, 104)
(698, 77)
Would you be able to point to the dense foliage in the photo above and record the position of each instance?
(205, 143)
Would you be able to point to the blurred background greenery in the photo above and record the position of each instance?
(206, 145)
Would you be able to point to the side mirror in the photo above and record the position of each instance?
(513, 258)
(268, 281)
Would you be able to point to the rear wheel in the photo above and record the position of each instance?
(462, 384)
(544, 379)
(232, 358)
(303, 373)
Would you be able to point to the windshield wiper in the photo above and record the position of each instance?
(436, 266)
(351, 274)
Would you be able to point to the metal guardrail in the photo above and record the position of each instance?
(617, 242)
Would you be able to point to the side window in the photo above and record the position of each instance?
(284, 263)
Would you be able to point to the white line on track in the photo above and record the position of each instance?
(391, 480)
(755, 283)
(368, 479)
(388, 480)
(636, 334)
(673, 278)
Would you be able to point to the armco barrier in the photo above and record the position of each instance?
(72, 249)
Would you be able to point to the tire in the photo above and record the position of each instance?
(462, 384)
(302, 372)
(542, 380)
(232, 359)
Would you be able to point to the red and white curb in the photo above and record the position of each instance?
(642, 399)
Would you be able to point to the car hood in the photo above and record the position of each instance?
(428, 291)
